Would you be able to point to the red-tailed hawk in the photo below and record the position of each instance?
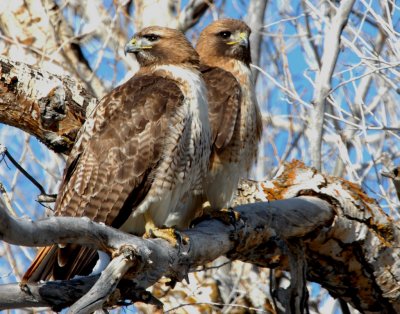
(234, 114)
(145, 146)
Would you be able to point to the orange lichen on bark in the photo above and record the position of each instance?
(357, 192)
(284, 181)
(383, 231)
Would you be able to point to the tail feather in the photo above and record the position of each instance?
(42, 266)
(53, 262)
(74, 260)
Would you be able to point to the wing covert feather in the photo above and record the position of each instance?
(224, 96)
(126, 135)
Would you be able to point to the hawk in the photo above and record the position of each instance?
(235, 118)
(145, 146)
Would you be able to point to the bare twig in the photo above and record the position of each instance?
(71, 50)
(6, 200)
(43, 194)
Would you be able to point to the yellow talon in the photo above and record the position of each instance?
(168, 234)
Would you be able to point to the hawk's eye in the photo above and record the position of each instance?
(151, 37)
(225, 34)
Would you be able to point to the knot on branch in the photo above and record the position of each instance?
(135, 260)
(52, 108)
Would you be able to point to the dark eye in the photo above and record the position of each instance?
(225, 34)
(151, 37)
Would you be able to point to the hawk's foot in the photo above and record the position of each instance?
(173, 236)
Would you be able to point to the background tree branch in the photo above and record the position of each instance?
(255, 19)
(323, 81)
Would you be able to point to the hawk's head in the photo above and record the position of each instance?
(226, 38)
(161, 45)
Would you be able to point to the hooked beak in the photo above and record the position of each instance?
(135, 45)
(244, 40)
(241, 39)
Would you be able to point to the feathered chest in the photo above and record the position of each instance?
(188, 144)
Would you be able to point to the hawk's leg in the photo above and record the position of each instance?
(169, 234)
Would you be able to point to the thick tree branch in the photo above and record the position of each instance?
(155, 258)
(106, 285)
(192, 13)
(54, 294)
(324, 76)
(349, 244)
(48, 106)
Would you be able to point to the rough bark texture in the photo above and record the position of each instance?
(48, 106)
(357, 258)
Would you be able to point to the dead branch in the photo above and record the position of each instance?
(155, 258)
(48, 106)
(105, 287)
